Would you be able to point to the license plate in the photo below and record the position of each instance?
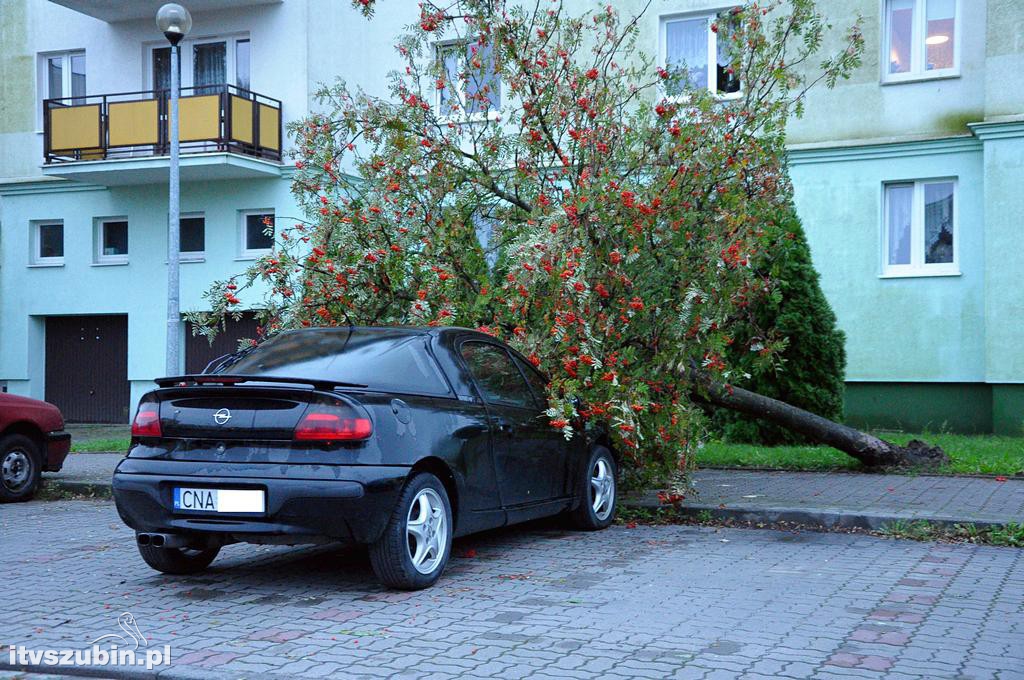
(219, 500)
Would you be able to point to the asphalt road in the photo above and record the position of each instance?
(539, 601)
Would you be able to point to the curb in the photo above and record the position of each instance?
(96, 489)
(117, 673)
(809, 517)
(822, 519)
(848, 471)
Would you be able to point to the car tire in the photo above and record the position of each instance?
(178, 561)
(21, 467)
(598, 492)
(413, 551)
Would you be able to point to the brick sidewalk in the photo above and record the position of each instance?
(533, 601)
(817, 498)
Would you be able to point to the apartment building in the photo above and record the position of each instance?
(909, 179)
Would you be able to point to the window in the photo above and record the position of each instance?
(205, 64)
(242, 64)
(697, 49)
(920, 228)
(64, 76)
(111, 237)
(472, 88)
(257, 232)
(537, 383)
(921, 39)
(192, 237)
(47, 243)
(497, 378)
(61, 75)
(383, 359)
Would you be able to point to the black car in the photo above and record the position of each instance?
(400, 438)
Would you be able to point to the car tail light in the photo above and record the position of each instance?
(147, 420)
(324, 423)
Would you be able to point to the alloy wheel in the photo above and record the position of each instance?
(427, 531)
(602, 489)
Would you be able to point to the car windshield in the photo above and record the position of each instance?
(386, 359)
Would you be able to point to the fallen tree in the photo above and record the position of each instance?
(871, 451)
(534, 175)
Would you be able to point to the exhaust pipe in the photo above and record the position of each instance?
(162, 540)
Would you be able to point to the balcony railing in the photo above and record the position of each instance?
(134, 124)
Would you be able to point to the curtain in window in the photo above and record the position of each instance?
(899, 205)
(686, 51)
(483, 86)
(938, 222)
(449, 56)
(209, 67)
(901, 30)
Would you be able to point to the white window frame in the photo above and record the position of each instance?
(918, 49)
(43, 77)
(35, 243)
(244, 251)
(187, 73)
(192, 255)
(463, 116)
(99, 258)
(917, 265)
(711, 15)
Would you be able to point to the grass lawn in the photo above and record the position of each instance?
(100, 445)
(969, 454)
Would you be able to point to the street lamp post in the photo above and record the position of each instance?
(174, 22)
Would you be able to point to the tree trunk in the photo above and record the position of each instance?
(869, 450)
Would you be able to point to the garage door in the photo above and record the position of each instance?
(87, 367)
(199, 352)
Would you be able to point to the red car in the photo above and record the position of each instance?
(32, 439)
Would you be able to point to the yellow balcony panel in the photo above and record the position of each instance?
(75, 127)
(270, 127)
(199, 118)
(133, 123)
(241, 120)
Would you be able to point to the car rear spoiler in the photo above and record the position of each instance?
(232, 379)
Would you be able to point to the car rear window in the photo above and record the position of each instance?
(383, 359)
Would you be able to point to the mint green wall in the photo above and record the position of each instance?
(897, 329)
(138, 288)
(1004, 229)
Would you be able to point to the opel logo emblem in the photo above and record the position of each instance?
(222, 416)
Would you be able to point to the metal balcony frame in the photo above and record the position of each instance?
(224, 142)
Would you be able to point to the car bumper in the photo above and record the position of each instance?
(58, 444)
(303, 502)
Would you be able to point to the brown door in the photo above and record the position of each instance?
(87, 367)
(199, 352)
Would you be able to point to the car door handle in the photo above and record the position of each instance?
(506, 427)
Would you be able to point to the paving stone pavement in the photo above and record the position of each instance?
(911, 497)
(872, 500)
(536, 601)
